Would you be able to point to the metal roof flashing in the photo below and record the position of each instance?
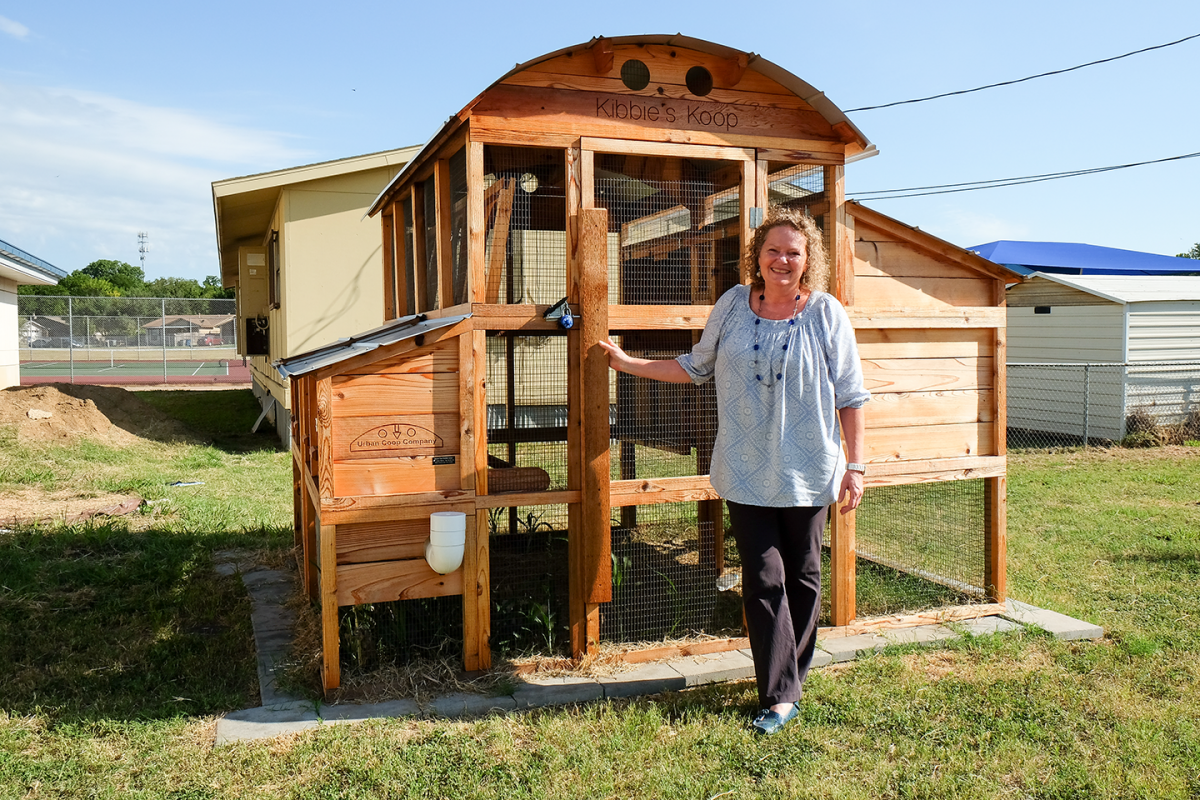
(393, 332)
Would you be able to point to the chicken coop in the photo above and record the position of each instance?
(606, 190)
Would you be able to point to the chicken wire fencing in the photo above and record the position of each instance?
(1079, 404)
(674, 228)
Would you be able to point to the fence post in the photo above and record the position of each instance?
(71, 337)
(1087, 401)
(163, 328)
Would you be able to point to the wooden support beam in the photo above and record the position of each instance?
(746, 198)
(403, 248)
(590, 540)
(995, 555)
(476, 224)
(388, 224)
(331, 673)
(602, 56)
(497, 258)
(841, 252)
(477, 595)
(420, 259)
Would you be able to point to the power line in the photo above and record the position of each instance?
(996, 183)
(1022, 80)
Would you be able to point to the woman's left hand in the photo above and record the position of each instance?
(850, 495)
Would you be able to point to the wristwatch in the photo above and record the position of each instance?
(857, 467)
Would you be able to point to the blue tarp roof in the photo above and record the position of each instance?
(1066, 258)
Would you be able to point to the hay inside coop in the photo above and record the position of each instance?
(568, 203)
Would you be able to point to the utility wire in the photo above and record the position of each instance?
(996, 183)
(1022, 80)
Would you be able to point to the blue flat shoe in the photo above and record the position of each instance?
(768, 722)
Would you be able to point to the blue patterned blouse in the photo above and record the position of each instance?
(778, 438)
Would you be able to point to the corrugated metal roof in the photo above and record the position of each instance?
(1082, 259)
(1130, 288)
(345, 349)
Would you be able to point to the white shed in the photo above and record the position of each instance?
(1085, 351)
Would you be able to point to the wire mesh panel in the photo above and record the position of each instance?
(527, 411)
(660, 429)
(920, 547)
(674, 228)
(458, 225)
(410, 281)
(1076, 404)
(800, 186)
(375, 635)
(530, 581)
(432, 300)
(669, 577)
(525, 207)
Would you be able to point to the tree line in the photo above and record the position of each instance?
(110, 286)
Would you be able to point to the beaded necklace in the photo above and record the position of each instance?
(773, 374)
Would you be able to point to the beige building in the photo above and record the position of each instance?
(16, 268)
(307, 266)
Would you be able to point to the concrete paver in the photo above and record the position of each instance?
(280, 714)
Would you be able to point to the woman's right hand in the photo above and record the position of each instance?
(617, 359)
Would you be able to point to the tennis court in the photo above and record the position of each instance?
(113, 370)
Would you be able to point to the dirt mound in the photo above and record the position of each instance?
(61, 412)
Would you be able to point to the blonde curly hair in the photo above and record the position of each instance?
(816, 274)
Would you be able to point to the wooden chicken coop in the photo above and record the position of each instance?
(607, 190)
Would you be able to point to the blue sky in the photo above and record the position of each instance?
(116, 117)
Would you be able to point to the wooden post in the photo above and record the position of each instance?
(403, 246)
(331, 667)
(420, 258)
(476, 582)
(388, 223)
(590, 541)
(995, 490)
(476, 225)
(445, 267)
(746, 198)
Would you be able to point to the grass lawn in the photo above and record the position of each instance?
(119, 646)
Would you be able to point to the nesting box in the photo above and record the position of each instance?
(606, 190)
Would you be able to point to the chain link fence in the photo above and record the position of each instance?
(128, 340)
(1081, 404)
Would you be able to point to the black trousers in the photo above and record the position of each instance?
(780, 550)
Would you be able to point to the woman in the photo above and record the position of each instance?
(789, 385)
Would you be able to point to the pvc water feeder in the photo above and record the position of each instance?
(447, 540)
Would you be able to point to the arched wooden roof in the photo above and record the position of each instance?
(688, 90)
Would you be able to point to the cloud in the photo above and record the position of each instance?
(13, 28)
(84, 172)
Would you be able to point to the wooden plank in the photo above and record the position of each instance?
(897, 409)
(746, 192)
(926, 374)
(439, 357)
(398, 435)
(685, 650)
(666, 149)
(920, 292)
(762, 183)
(614, 85)
(391, 508)
(331, 674)
(658, 317)
(908, 473)
(918, 442)
(842, 566)
(386, 581)
(866, 218)
(441, 183)
(593, 327)
(970, 343)
(611, 115)
(949, 317)
(388, 476)
(883, 259)
(361, 364)
(559, 498)
(394, 394)
(484, 132)
(902, 621)
(841, 273)
(587, 184)
(387, 223)
(649, 491)
(470, 399)
(497, 256)
(390, 540)
(324, 425)
(477, 596)
(476, 224)
(816, 153)
(402, 247)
